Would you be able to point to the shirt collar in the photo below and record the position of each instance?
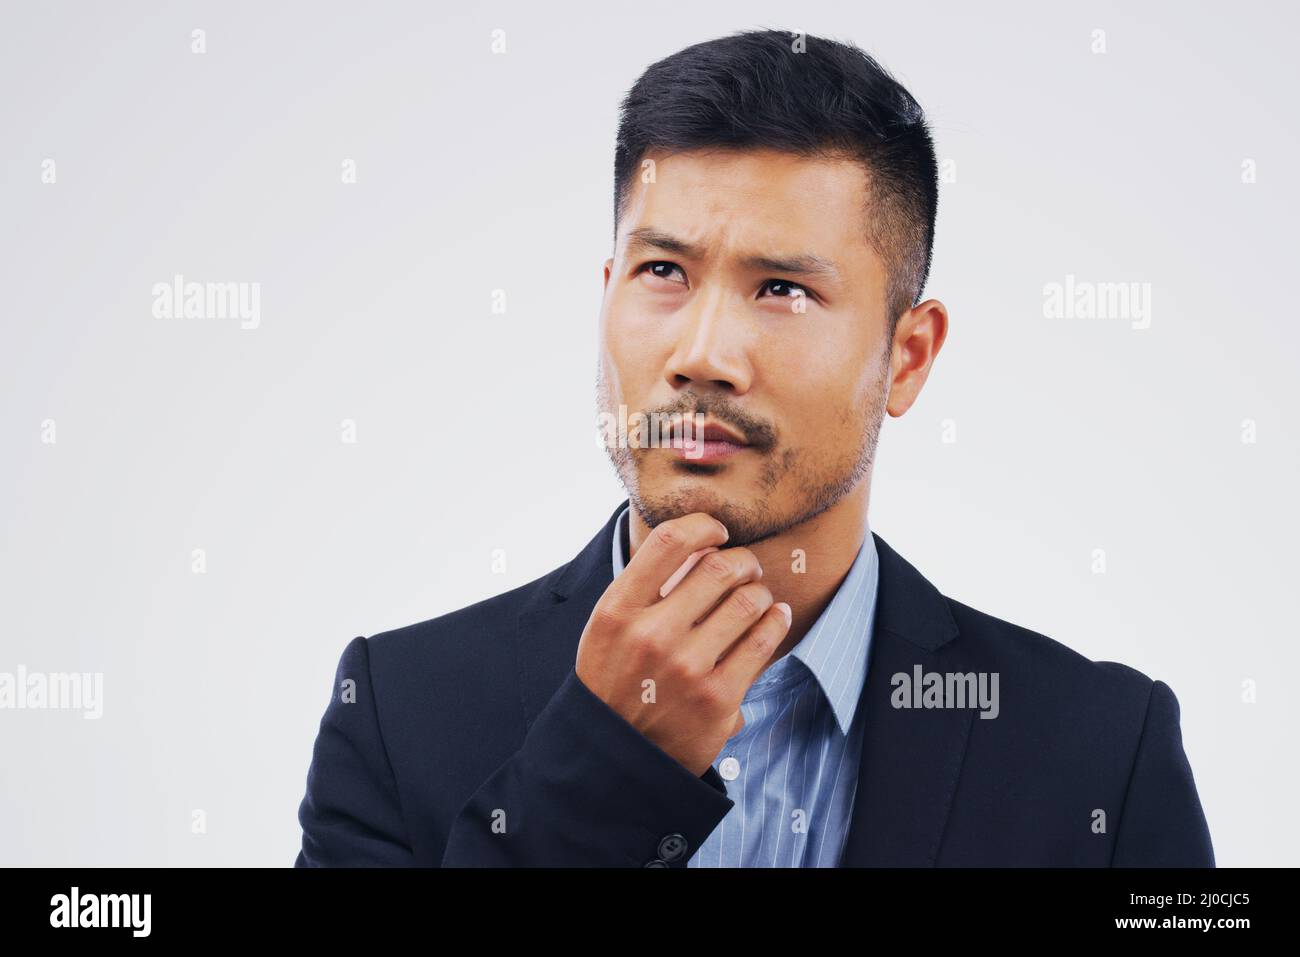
(835, 649)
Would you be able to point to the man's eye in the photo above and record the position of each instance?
(783, 289)
(662, 270)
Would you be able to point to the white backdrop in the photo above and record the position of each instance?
(130, 441)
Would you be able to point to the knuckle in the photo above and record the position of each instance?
(669, 535)
(641, 636)
(681, 669)
(714, 697)
(756, 598)
(746, 603)
(766, 637)
(718, 566)
(745, 563)
(605, 617)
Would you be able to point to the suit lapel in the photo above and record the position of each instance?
(552, 621)
(910, 759)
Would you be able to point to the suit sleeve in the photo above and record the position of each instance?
(586, 788)
(1162, 823)
(350, 815)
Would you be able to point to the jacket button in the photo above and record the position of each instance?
(672, 847)
(655, 863)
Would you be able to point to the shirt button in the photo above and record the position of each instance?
(672, 847)
(729, 769)
(655, 863)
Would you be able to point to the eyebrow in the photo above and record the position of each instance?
(804, 264)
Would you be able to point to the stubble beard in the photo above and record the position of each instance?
(821, 480)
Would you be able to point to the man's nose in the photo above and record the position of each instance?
(711, 347)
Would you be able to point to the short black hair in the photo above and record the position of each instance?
(756, 88)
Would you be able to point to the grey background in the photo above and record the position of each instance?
(475, 431)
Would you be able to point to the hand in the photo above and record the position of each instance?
(695, 621)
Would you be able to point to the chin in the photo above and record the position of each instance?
(745, 517)
(666, 500)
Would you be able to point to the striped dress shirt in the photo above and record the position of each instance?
(793, 768)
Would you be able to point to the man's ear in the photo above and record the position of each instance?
(917, 340)
(609, 263)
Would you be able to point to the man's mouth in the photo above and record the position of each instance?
(713, 443)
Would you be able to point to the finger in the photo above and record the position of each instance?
(669, 544)
(727, 624)
(748, 657)
(714, 576)
(685, 567)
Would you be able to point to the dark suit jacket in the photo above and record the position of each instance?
(468, 740)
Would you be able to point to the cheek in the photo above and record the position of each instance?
(817, 351)
(621, 369)
(842, 370)
(635, 331)
(822, 410)
(635, 346)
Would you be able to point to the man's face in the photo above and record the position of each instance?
(743, 287)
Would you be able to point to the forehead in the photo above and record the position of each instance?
(754, 200)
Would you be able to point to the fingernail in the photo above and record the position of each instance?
(685, 567)
(785, 610)
(725, 534)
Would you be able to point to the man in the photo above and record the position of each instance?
(736, 671)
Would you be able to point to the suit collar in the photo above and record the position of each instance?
(908, 770)
(589, 561)
(553, 619)
(836, 647)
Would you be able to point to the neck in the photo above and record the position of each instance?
(805, 564)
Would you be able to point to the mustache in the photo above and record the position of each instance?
(758, 434)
